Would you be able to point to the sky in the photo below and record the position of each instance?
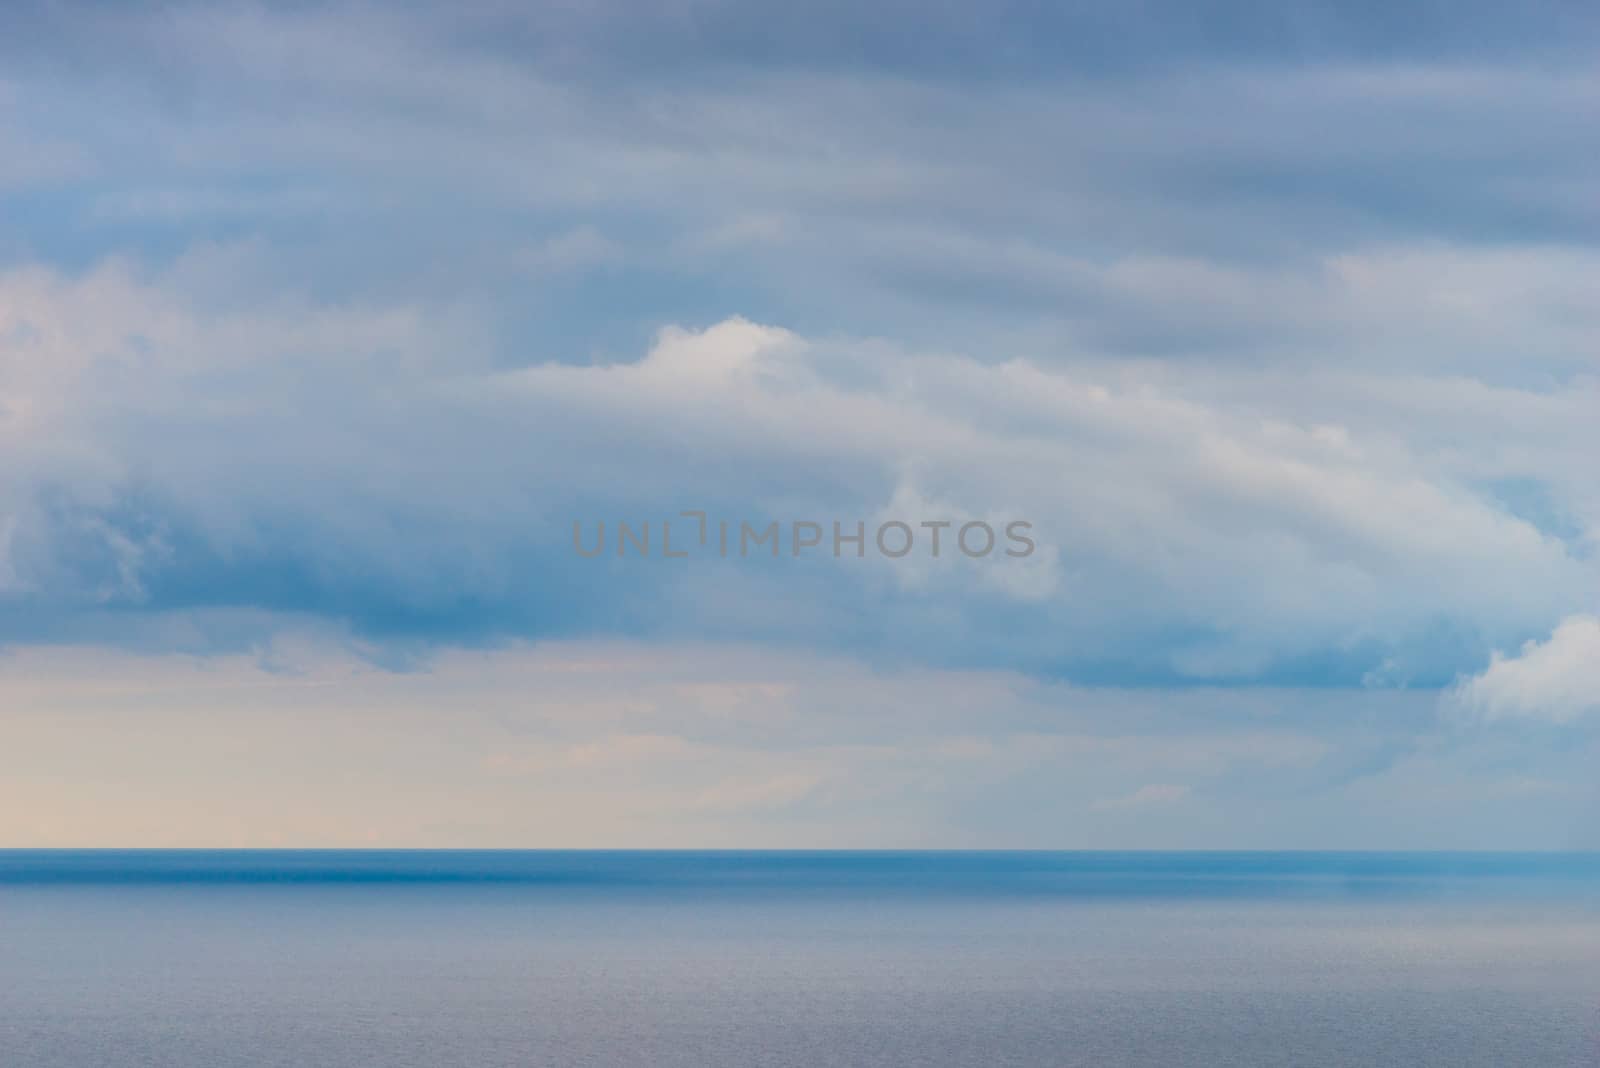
(322, 327)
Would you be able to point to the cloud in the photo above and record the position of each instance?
(1081, 190)
(1557, 680)
(1278, 327)
(603, 743)
(169, 452)
(1152, 794)
(1271, 387)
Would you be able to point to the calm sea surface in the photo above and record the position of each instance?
(439, 960)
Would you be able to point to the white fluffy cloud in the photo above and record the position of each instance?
(1557, 680)
(152, 435)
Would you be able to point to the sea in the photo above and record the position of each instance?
(333, 959)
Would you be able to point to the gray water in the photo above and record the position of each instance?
(213, 960)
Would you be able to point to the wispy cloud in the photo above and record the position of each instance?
(1151, 794)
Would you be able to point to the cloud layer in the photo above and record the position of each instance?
(348, 463)
(1280, 328)
(654, 744)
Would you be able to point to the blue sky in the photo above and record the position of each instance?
(320, 326)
